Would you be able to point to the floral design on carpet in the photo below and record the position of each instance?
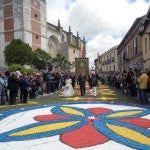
(127, 127)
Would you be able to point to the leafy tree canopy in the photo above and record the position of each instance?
(17, 52)
(61, 62)
(41, 54)
(40, 58)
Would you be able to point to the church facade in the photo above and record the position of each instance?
(27, 20)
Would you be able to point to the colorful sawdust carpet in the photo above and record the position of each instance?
(72, 125)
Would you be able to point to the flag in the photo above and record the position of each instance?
(83, 53)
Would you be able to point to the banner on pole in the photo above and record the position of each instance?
(81, 64)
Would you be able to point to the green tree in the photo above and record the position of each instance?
(18, 52)
(41, 59)
(61, 62)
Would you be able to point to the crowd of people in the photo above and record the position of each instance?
(15, 85)
(29, 86)
(134, 82)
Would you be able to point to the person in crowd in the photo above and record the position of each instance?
(137, 83)
(63, 79)
(81, 81)
(68, 89)
(130, 79)
(94, 84)
(53, 83)
(18, 73)
(6, 76)
(49, 82)
(102, 78)
(90, 80)
(60, 81)
(73, 79)
(25, 87)
(13, 86)
(33, 82)
(57, 80)
(123, 82)
(2, 89)
(134, 89)
(148, 89)
(38, 80)
(143, 85)
(20, 88)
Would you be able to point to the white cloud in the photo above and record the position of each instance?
(97, 20)
(99, 44)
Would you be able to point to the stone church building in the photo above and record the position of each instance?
(27, 20)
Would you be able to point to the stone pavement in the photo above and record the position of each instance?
(86, 125)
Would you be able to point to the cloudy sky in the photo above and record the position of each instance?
(103, 22)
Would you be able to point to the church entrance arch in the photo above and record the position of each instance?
(53, 45)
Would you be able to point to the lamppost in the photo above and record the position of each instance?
(47, 64)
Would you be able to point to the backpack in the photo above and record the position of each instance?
(49, 76)
(45, 76)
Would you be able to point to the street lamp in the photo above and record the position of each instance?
(141, 30)
(47, 64)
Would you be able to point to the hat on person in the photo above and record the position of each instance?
(18, 73)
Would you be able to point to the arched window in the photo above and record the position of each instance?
(63, 38)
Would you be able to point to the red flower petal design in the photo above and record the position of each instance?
(145, 123)
(95, 111)
(43, 118)
(84, 137)
(90, 98)
(99, 110)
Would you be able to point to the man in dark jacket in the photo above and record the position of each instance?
(81, 81)
(25, 84)
(13, 85)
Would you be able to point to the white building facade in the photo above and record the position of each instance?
(27, 20)
(108, 61)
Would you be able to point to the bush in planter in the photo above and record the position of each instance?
(21, 68)
(15, 67)
(29, 70)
